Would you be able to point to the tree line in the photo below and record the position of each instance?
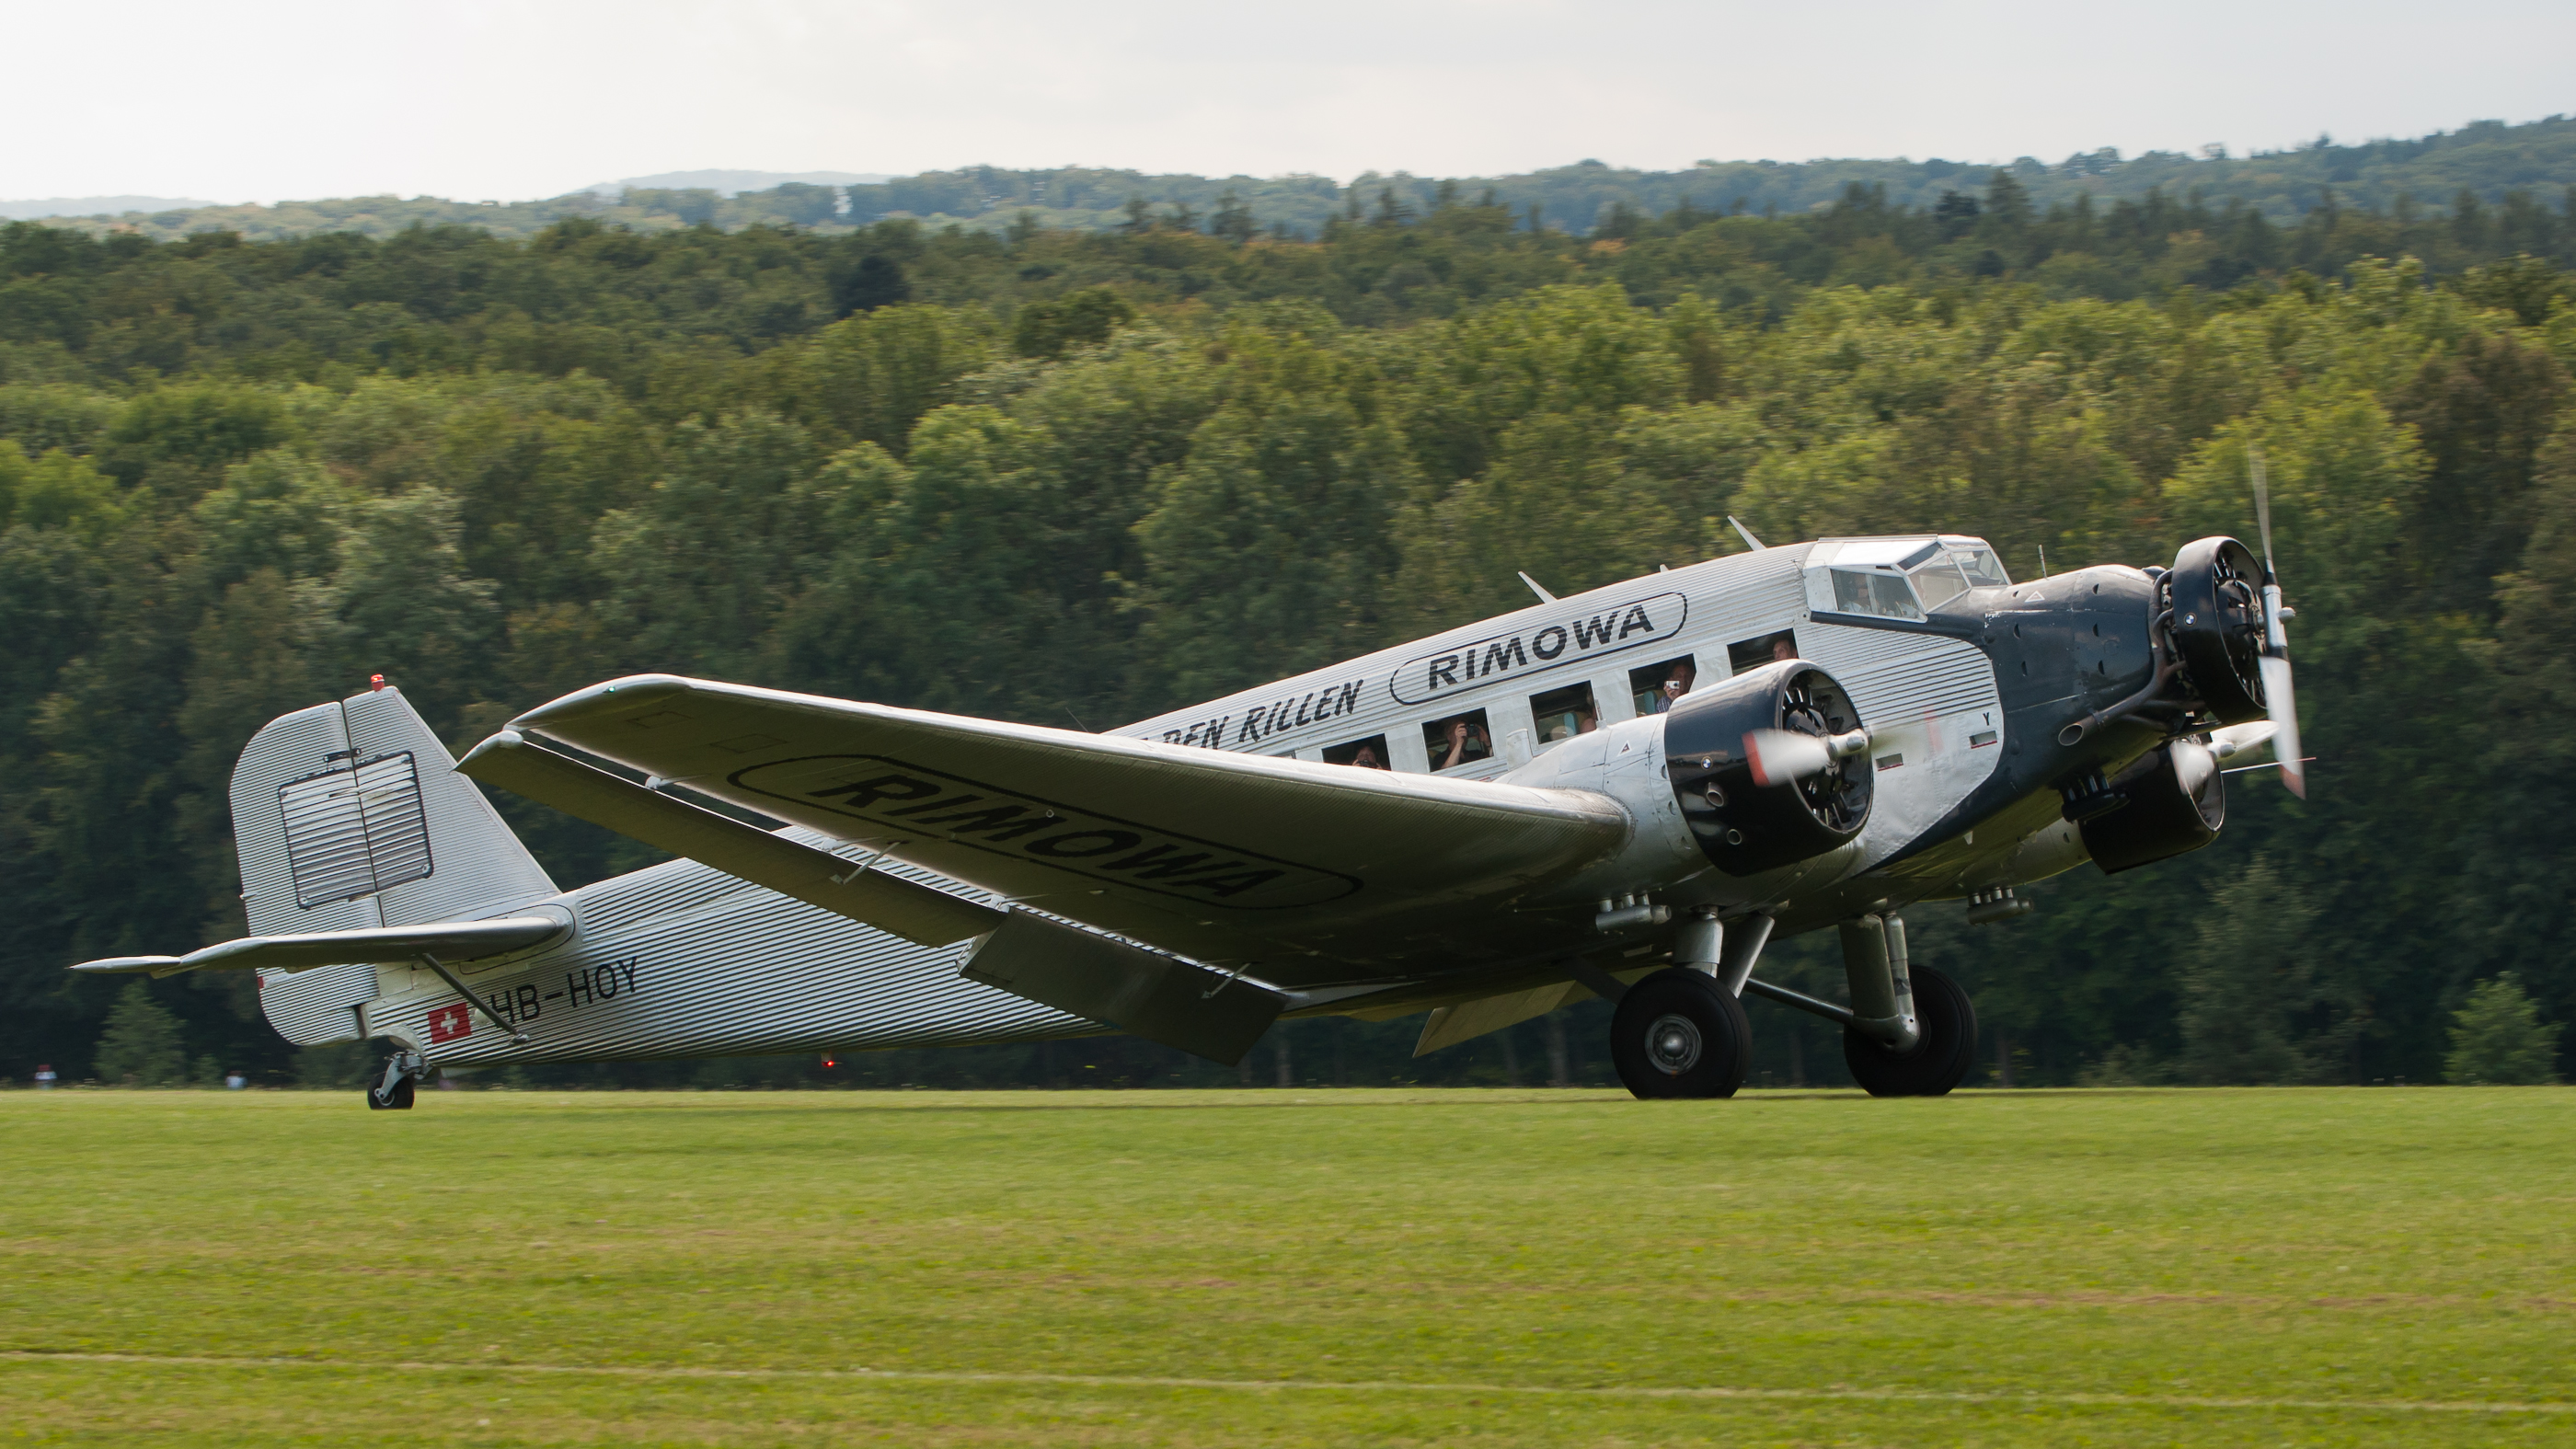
(1082, 477)
(2487, 161)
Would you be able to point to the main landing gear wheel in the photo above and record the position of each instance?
(396, 1098)
(1947, 1021)
(1679, 1034)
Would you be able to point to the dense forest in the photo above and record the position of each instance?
(1065, 476)
(2485, 160)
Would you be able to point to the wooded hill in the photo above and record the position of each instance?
(1058, 475)
(2485, 160)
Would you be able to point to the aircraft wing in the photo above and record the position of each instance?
(1220, 856)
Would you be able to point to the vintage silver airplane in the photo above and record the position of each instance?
(1624, 793)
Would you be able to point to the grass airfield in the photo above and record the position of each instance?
(2363, 1266)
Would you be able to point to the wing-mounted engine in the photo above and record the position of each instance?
(2175, 801)
(1771, 767)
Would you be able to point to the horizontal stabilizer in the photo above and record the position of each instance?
(916, 912)
(1159, 998)
(455, 940)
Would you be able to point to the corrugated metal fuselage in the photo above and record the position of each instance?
(681, 960)
(676, 961)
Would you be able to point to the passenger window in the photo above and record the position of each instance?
(1461, 739)
(1368, 754)
(1885, 596)
(1561, 714)
(1656, 686)
(1769, 649)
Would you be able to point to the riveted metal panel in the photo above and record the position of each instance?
(1896, 675)
(309, 1008)
(729, 972)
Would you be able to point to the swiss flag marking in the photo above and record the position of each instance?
(450, 1022)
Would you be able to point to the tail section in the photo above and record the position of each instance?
(350, 816)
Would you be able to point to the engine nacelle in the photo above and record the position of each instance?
(1745, 828)
(2177, 800)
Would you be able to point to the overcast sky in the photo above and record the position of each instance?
(270, 99)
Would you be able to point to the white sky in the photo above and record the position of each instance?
(474, 99)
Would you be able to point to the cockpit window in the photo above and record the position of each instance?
(1939, 581)
(1979, 563)
(1886, 596)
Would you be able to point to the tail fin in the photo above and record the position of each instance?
(351, 815)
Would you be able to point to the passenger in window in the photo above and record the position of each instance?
(1676, 684)
(1561, 714)
(1761, 650)
(1460, 740)
(1466, 742)
(1368, 754)
(1582, 722)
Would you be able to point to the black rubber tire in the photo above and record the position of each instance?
(1679, 1034)
(401, 1102)
(1941, 1055)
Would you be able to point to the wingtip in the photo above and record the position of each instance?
(127, 965)
(609, 697)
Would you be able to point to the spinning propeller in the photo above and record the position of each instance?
(2275, 660)
(1779, 757)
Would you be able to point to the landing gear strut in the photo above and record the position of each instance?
(394, 1093)
(1910, 1031)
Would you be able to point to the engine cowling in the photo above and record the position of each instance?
(2216, 593)
(1745, 828)
(2177, 800)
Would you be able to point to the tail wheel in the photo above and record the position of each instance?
(1680, 1034)
(1947, 1043)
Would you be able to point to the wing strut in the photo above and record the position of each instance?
(466, 996)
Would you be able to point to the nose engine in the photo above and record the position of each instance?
(1770, 767)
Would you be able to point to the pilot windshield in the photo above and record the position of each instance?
(1979, 563)
(1939, 579)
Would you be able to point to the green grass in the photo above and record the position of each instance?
(1290, 1268)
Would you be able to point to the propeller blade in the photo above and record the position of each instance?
(2275, 661)
(2285, 724)
(2242, 739)
(2262, 501)
(1780, 757)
